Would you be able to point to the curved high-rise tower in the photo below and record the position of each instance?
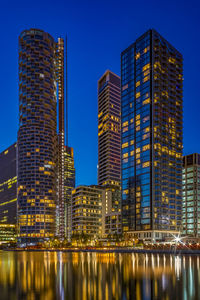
(37, 136)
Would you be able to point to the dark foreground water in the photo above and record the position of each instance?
(57, 275)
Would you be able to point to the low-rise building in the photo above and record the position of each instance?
(111, 211)
(191, 196)
(87, 211)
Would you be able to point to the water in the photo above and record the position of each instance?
(58, 275)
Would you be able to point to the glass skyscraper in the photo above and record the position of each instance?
(151, 112)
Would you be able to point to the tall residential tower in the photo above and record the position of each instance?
(39, 179)
(109, 129)
(152, 115)
(109, 150)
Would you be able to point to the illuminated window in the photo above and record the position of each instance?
(146, 72)
(172, 60)
(137, 56)
(146, 147)
(146, 164)
(146, 49)
(137, 122)
(124, 145)
(146, 79)
(146, 101)
(147, 66)
(124, 123)
(137, 95)
(137, 83)
(125, 129)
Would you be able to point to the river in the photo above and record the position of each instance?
(61, 275)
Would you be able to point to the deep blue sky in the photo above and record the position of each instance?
(97, 33)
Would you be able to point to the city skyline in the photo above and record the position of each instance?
(86, 95)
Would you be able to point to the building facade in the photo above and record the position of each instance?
(87, 211)
(61, 139)
(109, 129)
(151, 137)
(111, 211)
(69, 185)
(8, 194)
(37, 151)
(191, 196)
(109, 151)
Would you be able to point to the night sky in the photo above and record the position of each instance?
(97, 33)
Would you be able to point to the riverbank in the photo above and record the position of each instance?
(114, 250)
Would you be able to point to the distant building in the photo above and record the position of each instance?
(69, 185)
(191, 196)
(87, 211)
(111, 211)
(152, 137)
(8, 194)
(109, 128)
(109, 150)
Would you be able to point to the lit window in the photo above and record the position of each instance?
(125, 124)
(124, 145)
(146, 164)
(137, 95)
(137, 83)
(146, 101)
(145, 78)
(147, 66)
(146, 147)
(137, 56)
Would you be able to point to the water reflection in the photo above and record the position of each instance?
(57, 275)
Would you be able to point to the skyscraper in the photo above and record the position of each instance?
(109, 150)
(191, 195)
(151, 108)
(109, 129)
(8, 194)
(40, 68)
(61, 138)
(69, 185)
